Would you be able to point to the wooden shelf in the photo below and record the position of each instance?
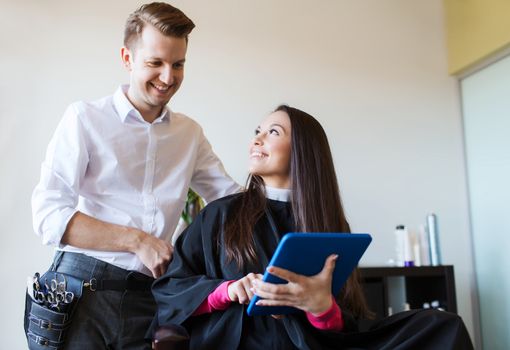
(421, 285)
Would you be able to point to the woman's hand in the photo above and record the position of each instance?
(240, 290)
(310, 294)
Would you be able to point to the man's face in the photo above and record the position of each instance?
(156, 66)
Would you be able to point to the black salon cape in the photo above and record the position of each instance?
(199, 266)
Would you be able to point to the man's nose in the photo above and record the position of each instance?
(167, 75)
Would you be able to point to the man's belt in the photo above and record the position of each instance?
(132, 282)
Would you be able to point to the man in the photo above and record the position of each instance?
(114, 183)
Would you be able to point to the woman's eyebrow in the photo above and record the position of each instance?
(276, 124)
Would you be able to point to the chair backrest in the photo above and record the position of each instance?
(172, 337)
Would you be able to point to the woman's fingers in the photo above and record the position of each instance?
(283, 274)
(278, 317)
(261, 286)
(327, 270)
(272, 291)
(266, 295)
(269, 302)
(241, 290)
(236, 292)
(242, 295)
(248, 283)
(329, 265)
(253, 276)
(307, 293)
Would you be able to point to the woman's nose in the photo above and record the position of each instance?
(257, 140)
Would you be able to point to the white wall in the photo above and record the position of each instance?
(373, 72)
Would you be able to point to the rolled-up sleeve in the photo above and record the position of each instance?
(56, 195)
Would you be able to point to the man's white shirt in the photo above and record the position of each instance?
(106, 161)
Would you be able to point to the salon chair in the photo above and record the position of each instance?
(173, 337)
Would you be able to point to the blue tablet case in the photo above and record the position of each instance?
(306, 253)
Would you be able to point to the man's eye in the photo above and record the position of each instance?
(179, 65)
(153, 64)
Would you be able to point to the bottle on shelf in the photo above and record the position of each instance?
(422, 238)
(408, 249)
(400, 232)
(433, 235)
(404, 251)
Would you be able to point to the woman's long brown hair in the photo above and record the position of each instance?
(315, 201)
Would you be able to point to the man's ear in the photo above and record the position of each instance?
(127, 58)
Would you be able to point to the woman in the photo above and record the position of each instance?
(218, 261)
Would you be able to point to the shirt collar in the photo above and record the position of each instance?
(278, 194)
(124, 108)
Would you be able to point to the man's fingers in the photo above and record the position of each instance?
(159, 270)
(163, 268)
(155, 254)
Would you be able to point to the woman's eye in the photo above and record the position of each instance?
(274, 132)
(257, 131)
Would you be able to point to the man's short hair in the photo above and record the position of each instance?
(169, 20)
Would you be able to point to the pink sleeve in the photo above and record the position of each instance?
(217, 300)
(330, 320)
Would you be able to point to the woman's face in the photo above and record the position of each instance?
(270, 150)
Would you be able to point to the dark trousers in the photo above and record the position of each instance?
(106, 319)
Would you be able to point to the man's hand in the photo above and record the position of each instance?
(241, 290)
(154, 253)
(84, 231)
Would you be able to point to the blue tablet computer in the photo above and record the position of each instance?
(306, 253)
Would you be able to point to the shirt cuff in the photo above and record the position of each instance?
(55, 226)
(329, 320)
(219, 299)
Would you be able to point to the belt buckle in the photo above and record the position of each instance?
(92, 284)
